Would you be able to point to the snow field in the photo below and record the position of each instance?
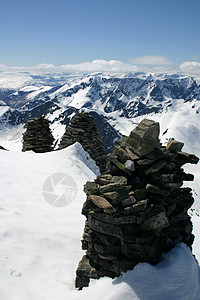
(40, 244)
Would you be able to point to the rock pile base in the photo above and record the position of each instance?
(138, 209)
(82, 129)
(38, 136)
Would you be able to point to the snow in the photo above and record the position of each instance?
(29, 88)
(40, 243)
(37, 91)
(11, 137)
(14, 81)
(3, 109)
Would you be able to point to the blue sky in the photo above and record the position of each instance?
(62, 32)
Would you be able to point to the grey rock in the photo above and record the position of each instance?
(174, 145)
(102, 203)
(157, 222)
(144, 138)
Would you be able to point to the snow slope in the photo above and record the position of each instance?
(40, 243)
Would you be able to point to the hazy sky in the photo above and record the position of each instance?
(62, 32)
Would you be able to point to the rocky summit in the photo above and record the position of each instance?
(38, 136)
(82, 129)
(137, 209)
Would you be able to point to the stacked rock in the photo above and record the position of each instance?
(38, 136)
(137, 210)
(82, 129)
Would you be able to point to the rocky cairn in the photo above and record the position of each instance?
(136, 210)
(82, 129)
(38, 136)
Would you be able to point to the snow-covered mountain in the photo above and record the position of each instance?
(118, 99)
(40, 243)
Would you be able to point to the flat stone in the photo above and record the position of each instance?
(121, 154)
(145, 162)
(184, 158)
(156, 190)
(105, 228)
(103, 249)
(174, 145)
(139, 206)
(111, 195)
(102, 203)
(170, 167)
(125, 220)
(107, 256)
(163, 177)
(129, 201)
(156, 222)
(156, 166)
(116, 196)
(119, 180)
(103, 179)
(187, 177)
(109, 187)
(103, 217)
(91, 188)
(132, 155)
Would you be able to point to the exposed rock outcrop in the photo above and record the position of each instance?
(2, 148)
(38, 136)
(82, 129)
(138, 209)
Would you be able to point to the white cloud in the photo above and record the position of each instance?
(3, 67)
(190, 67)
(100, 65)
(97, 65)
(151, 60)
(111, 66)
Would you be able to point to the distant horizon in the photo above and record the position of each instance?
(114, 35)
(102, 66)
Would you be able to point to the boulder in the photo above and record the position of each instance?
(144, 138)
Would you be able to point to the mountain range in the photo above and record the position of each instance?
(112, 99)
(41, 243)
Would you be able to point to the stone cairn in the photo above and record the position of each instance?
(82, 129)
(38, 136)
(136, 210)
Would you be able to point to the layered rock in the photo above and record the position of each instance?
(82, 129)
(138, 209)
(38, 136)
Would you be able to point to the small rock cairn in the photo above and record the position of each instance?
(82, 129)
(38, 136)
(138, 209)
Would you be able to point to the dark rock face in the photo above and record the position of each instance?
(136, 213)
(2, 148)
(82, 129)
(38, 137)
